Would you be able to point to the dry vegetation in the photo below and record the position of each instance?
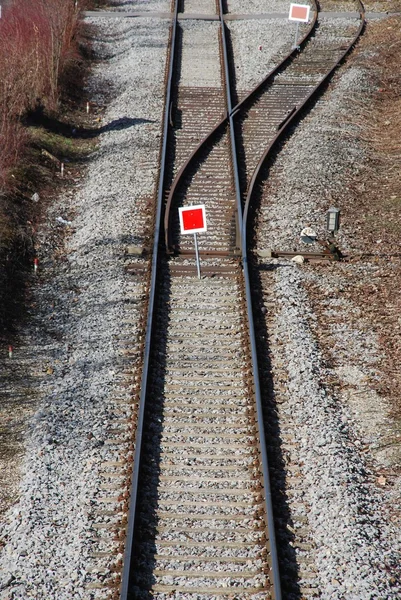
(36, 44)
(42, 72)
(371, 214)
(383, 125)
(40, 60)
(375, 202)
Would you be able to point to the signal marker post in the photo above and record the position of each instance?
(193, 220)
(300, 14)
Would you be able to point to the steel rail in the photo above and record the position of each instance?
(177, 180)
(252, 336)
(248, 293)
(290, 121)
(159, 209)
(274, 577)
(234, 153)
(284, 63)
(125, 580)
(221, 124)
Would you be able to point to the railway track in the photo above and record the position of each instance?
(200, 519)
(200, 472)
(201, 527)
(288, 89)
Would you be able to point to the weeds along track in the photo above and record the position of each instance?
(200, 522)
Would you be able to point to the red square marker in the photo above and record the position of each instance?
(299, 12)
(192, 219)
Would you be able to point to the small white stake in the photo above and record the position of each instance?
(35, 265)
(197, 256)
(87, 107)
(62, 169)
(295, 46)
(10, 352)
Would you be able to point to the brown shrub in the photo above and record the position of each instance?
(12, 142)
(36, 45)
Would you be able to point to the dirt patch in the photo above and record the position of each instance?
(372, 205)
(387, 6)
(357, 303)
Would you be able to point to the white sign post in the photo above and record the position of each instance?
(300, 14)
(193, 220)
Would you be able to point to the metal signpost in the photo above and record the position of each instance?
(193, 220)
(300, 14)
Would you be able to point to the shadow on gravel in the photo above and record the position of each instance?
(116, 125)
(288, 567)
(143, 559)
(56, 126)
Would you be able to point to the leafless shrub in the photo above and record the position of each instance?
(36, 43)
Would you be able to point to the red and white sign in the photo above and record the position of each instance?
(299, 12)
(192, 219)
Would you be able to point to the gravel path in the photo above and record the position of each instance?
(258, 6)
(66, 437)
(140, 5)
(71, 353)
(356, 541)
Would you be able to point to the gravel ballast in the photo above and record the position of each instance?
(345, 438)
(357, 551)
(47, 535)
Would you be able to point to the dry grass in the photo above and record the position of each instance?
(372, 202)
(37, 42)
(38, 56)
(384, 128)
(373, 206)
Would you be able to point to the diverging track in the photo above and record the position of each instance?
(262, 115)
(200, 526)
(200, 521)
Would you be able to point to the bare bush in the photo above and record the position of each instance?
(13, 138)
(36, 44)
(36, 37)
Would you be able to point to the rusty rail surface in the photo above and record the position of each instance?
(126, 574)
